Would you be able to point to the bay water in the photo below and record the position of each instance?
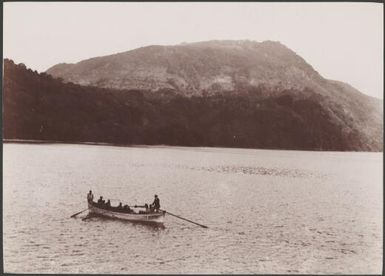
(268, 211)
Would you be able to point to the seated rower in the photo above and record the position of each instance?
(100, 201)
(128, 209)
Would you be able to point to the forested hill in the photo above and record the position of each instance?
(40, 107)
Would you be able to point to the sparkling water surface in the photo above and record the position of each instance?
(267, 211)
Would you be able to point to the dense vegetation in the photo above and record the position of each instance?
(39, 107)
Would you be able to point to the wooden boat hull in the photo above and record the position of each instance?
(157, 218)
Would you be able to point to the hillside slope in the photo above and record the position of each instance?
(195, 68)
(39, 107)
(233, 68)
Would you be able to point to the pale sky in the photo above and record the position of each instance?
(342, 41)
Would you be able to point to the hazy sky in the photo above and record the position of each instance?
(342, 41)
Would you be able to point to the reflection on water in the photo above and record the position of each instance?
(100, 219)
(267, 211)
(257, 171)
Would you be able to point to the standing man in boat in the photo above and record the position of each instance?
(90, 197)
(156, 203)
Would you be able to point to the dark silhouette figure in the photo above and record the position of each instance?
(156, 204)
(108, 204)
(90, 197)
(100, 201)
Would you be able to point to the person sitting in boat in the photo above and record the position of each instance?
(90, 196)
(120, 206)
(100, 201)
(108, 204)
(156, 204)
(127, 209)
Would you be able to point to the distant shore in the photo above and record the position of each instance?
(27, 141)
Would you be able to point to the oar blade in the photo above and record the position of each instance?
(74, 215)
(201, 225)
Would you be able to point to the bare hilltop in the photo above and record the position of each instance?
(214, 93)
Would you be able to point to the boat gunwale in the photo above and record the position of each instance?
(152, 217)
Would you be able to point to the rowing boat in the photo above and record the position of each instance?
(147, 217)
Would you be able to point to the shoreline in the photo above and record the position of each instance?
(28, 141)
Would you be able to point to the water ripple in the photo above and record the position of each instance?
(268, 212)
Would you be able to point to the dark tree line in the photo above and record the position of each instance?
(39, 107)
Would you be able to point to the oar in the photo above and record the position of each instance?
(87, 217)
(201, 225)
(74, 215)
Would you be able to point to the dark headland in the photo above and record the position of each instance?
(219, 93)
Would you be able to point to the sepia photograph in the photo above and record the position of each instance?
(192, 138)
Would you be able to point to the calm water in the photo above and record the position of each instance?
(267, 211)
